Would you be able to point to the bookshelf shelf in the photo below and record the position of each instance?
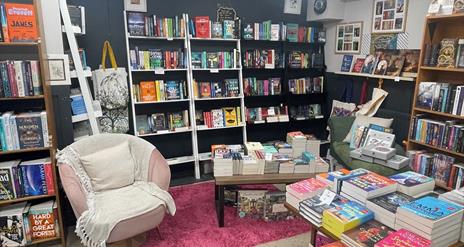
(262, 69)
(221, 98)
(214, 70)
(220, 128)
(461, 155)
(459, 70)
(158, 70)
(23, 199)
(29, 150)
(156, 38)
(37, 97)
(267, 123)
(162, 102)
(165, 133)
(385, 77)
(180, 160)
(20, 44)
(204, 156)
(443, 114)
(445, 17)
(87, 73)
(214, 39)
(45, 240)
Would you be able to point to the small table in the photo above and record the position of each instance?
(280, 178)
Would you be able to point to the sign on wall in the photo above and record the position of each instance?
(349, 37)
(389, 16)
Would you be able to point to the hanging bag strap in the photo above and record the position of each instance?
(107, 47)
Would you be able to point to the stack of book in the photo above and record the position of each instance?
(162, 122)
(223, 166)
(287, 167)
(366, 235)
(302, 190)
(250, 147)
(306, 85)
(215, 60)
(20, 79)
(412, 183)
(335, 179)
(367, 186)
(155, 91)
(153, 59)
(298, 142)
(23, 130)
(271, 114)
(434, 219)
(262, 59)
(385, 206)
(254, 87)
(313, 208)
(206, 90)
(305, 112)
(139, 24)
(373, 134)
(202, 27)
(403, 238)
(383, 155)
(218, 118)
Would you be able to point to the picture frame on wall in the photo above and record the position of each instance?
(58, 67)
(135, 5)
(292, 7)
(349, 37)
(389, 16)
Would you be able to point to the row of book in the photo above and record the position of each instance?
(306, 85)
(446, 170)
(366, 196)
(449, 53)
(20, 78)
(140, 24)
(202, 27)
(157, 59)
(155, 91)
(23, 130)
(441, 97)
(384, 62)
(305, 112)
(162, 122)
(286, 32)
(13, 13)
(262, 59)
(26, 178)
(442, 134)
(272, 114)
(23, 223)
(299, 60)
(256, 87)
(227, 88)
(215, 60)
(218, 118)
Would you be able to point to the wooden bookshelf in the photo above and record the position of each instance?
(459, 70)
(438, 149)
(19, 151)
(20, 44)
(453, 17)
(385, 77)
(23, 199)
(36, 97)
(442, 114)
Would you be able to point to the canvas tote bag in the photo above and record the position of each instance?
(111, 90)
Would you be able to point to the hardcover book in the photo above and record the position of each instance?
(42, 221)
(346, 63)
(357, 67)
(229, 27)
(447, 55)
(251, 203)
(22, 25)
(159, 122)
(202, 27)
(216, 31)
(403, 238)
(30, 130)
(367, 234)
(36, 177)
(136, 23)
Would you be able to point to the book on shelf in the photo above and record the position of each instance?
(262, 59)
(206, 90)
(367, 234)
(447, 54)
(347, 61)
(82, 56)
(305, 112)
(441, 97)
(286, 32)
(218, 118)
(162, 122)
(42, 221)
(358, 65)
(202, 27)
(37, 177)
(256, 87)
(153, 59)
(460, 53)
(10, 180)
(77, 104)
(23, 130)
(369, 65)
(403, 237)
(412, 183)
(18, 23)
(215, 60)
(385, 206)
(12, 227)
(20, 78)
(306, 85)
(411, 62)
(299, 60)
(141, 24)
(159, 90)
(270, 114)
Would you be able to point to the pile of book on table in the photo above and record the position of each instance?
(300, 154)
(363, 208)
(22, 224)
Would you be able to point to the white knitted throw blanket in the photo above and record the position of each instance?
(107, 208)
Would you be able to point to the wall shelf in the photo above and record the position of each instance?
(385, 77)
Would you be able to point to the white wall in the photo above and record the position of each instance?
(361, 10)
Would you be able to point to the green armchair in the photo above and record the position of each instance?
(339, 128)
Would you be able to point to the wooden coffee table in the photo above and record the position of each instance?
(280, 178)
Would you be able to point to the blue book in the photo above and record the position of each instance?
(33, 179)
(431, 211)
(172, 90)
(346, 63)
(78, 105)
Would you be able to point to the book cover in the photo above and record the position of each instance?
(292, 32)
(306, 186)
(9, 180)
(229, 27)
(33, 179)
(142, 124)
(395, 65)
(357, 67)
(392, 201)
(345, 215)
(42, 221)
(410, 178)
(22, 25)
(136, 23)
(447, 54)
(346, 63)
(230, 114)
(318, 206)
(371, 182)
(216, 31)
(159, 121)
(29, 129)
(148, 91)
(202, 28)
(176, 120)
(218, 118)
(411, 62)
(403, 238)
(205, 90)
(368, 234)
(370, 63)
(274, 208)
(12, 227)
(251, 203)
(431, 208)
(173, 90)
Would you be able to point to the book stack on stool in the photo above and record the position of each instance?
(433, 219)
(385, 156)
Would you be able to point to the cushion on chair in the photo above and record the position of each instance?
(339, 127)
(117, 159)
(365, 121)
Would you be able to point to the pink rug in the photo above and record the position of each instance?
(195, 223)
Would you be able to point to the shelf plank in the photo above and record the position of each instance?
(155, 70)
(19, 44)
(156, 38)
(445, 17)
(443, 114)
(460, 70)
(220, 128)
(161, 102)
(461, 155)
(215, 39)
(23, 199)
(165, 133)
(219, 98)
(36, 97)
(45, 240)
(28, 150)
(385, 77)
(180, 160)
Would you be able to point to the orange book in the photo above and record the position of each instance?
(147, 91)
(22, 25)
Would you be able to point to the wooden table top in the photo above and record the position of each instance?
(279, 178)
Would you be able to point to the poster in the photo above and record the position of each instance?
(384, 42)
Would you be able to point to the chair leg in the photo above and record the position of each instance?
(159, 232)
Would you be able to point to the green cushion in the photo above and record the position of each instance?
(339, 127)
(341, 152)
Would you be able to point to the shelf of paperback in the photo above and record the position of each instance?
(162, 101)
(156, 38)
(437, 148)
(218, 98)
(159, 71)
(214, 39)
(204, 128)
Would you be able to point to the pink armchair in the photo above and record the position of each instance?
(159, 173)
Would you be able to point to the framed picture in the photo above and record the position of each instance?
(135, 5)
(57, 66)
(292, 7)
(389, 16)
(349, 37)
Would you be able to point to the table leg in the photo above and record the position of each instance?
(216, 191)
(220, 205)
(313, 236)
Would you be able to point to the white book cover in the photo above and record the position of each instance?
(275, 31)
(19, 78)
(35, 71)
(46, 139)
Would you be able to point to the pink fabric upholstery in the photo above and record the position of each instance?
(159, 173)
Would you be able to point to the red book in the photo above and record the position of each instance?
(402, 238)
(12, 79)
(49, 179)
(202, 27)
(306, 188)
(301, 34)
(358, 65)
